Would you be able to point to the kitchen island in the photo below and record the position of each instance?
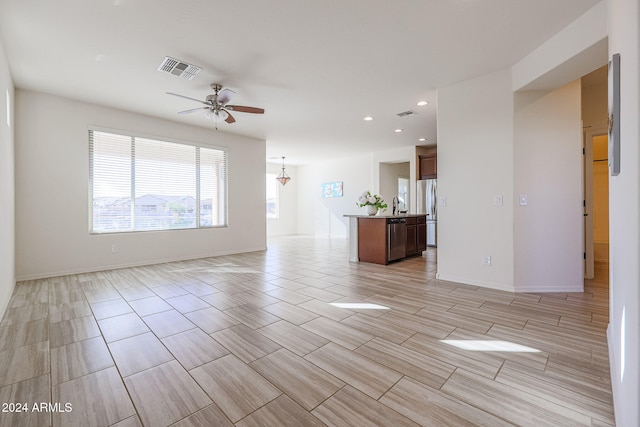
(382, 239)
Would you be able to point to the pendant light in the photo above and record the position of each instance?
(283, 177)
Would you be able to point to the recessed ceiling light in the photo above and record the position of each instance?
(422, 139)
(422, 103)
(398, 130)
(368, 119)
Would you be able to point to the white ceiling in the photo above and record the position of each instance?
(316, 67)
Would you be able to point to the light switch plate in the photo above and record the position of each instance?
(443, 201)
(523, 200)
(497, 200)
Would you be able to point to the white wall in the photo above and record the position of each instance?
(7, 189)
(624, 203)
(324, 216)
(548, 170)
(475, 163)
(578, 49)
(381, 159)
(52, 165)
(594, 105)
(287, 222)
(389, 174)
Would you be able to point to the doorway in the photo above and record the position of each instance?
(596, 202)
(394, 183)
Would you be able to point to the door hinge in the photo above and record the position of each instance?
(584, 255)
(583, 152)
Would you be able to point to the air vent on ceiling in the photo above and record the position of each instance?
(178, 68)
(406, 113)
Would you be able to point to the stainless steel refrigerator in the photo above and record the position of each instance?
(427, 191)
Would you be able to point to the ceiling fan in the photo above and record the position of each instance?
(217, 106)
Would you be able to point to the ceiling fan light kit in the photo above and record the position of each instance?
(216, 116)
(217, 107)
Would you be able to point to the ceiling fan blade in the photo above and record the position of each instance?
(193, 110)
(229, 118)
(186, 97)
(245, 109)
(225, 96)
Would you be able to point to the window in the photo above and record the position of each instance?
(273, 202)
(403, 193)
(141, 184)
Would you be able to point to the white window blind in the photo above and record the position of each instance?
(141, 184)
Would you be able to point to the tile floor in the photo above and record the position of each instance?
(253, 340)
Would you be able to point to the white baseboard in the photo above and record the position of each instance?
(132, 264)
(466, 281)
(518, 289)
(549, 289)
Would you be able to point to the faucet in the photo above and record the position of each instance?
(394, 203)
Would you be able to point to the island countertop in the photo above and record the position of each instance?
(407, 215)
(381, 239)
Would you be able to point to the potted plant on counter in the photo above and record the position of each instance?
(373, 202)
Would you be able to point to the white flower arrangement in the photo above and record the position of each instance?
(368, 199)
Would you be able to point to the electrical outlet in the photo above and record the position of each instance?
(486, 260)
(114, 249)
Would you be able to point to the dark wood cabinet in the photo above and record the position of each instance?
(372, 240)
(373, 237)
(412, 242)
(421, 231)
(428, 166)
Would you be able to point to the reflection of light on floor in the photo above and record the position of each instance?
(489, 345)
(359, 305)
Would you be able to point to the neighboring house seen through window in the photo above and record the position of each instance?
(141, 184)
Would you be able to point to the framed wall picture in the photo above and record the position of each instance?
(332, 189)
(614, 115)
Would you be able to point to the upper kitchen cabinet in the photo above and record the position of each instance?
(428, 166)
